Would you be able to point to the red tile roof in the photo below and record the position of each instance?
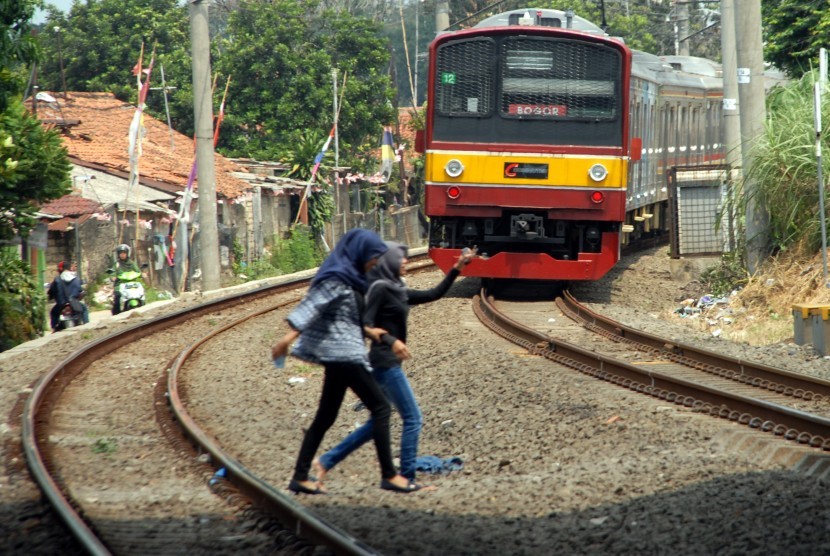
(71, 205)
(102, 138)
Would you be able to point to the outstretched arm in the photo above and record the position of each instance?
(417, 297)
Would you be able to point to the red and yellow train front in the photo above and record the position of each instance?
(526, 152)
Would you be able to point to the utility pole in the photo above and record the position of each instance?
(203, 121)
(753, 116)
(731, 106)
(682, 15)
(442, 15)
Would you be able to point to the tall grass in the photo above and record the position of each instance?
(784, 166)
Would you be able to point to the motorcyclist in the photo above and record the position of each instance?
(123, 263)
(67, 288)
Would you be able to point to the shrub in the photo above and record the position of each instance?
(22, 302)
(298, 252)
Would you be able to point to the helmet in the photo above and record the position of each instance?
(123, 248)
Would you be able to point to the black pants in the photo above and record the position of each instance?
(116, 301)
(55, 315)
(339, 377)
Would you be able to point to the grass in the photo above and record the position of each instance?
(762, 308)
(104, 446)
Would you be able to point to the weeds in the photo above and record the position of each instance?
(104, 446)
(727, 276)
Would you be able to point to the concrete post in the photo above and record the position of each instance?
(203, 121)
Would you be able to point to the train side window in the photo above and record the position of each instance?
(464, 78)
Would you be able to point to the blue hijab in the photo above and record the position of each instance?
(346, 263)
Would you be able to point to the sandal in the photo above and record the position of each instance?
(297, 488)
(318, 468)
(386, 484)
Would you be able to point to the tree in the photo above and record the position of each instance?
(33, 168)
(99, 42)
(33, 164)
(794, 32)
(281, 62)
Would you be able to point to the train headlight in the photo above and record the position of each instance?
(598, 172)
(453, 192)
(454, 168)
(597, 197)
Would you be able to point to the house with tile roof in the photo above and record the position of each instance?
(95, 130)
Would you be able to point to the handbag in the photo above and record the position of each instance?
(77, 306)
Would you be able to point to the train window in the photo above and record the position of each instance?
(558, 79)
(464, 78)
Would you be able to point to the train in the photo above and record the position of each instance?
(546, 143)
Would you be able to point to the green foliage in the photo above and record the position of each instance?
(784, 166)
(281, 60)
(726, 276)
(320, 209)
(794, 31)
(300, 152)
(100, 41)
(298, 252)
(17, 46)
(34, 168)
(104, 446)
(238, 256)
(22, 302)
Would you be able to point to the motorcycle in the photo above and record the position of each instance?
(71, 315)
(131, 289)
(68, 318)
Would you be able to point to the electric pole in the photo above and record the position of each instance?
(682, 15)
(442, 16)
(750, 77)
(203, 121)
(731, 107)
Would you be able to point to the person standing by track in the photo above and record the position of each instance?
(387, 307)
(328, 327)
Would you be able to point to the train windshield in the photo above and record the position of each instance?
(530, 90)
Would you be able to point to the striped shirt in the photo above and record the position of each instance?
(331, 329)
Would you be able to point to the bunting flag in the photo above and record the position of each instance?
(184, 207)
(137, 130)
(318, 160)
(387, 152)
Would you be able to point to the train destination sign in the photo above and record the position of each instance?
(538, 109)
(525, 170)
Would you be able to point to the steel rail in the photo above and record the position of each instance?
(262, 494)
(36, 415)
(741, 370)
(40, 402)
(792, 424)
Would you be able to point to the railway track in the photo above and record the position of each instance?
(158, 502)
(784, 404)
(515, 433)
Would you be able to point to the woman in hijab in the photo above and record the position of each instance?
(330, 330)
(387, 307)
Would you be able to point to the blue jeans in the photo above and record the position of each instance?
(394, 384)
